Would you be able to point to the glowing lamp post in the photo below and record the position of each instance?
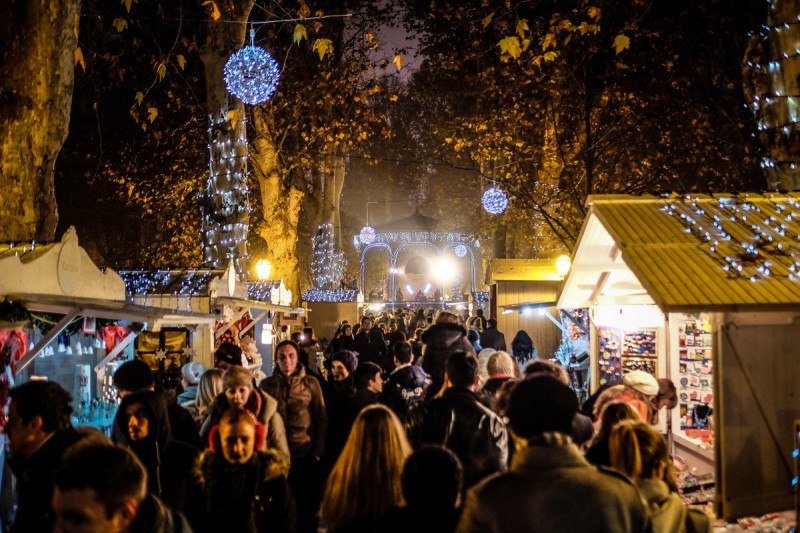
(563, 263)
(263, 269)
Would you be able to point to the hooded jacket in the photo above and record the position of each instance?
(169, 463)
(302, 407)
(370, 346)
(156, 517)
(246, 498)
(439, 341)
(263, 406)
(405, 388)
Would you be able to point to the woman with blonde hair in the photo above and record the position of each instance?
(640, 452)
(366, 480)
(598, 452)
(208, 388)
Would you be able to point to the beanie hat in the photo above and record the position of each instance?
(347, 358)
(641, 381)
(133, 376)
(229, 353)
(237, 376)
(541, 403)
(191, 372)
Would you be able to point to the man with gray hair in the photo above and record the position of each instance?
(550, 486)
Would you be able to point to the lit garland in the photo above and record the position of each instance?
(480, 296)
(367, 235)
(325, 295)
(226, 217)
(772, 56)
(178, 282)
(494, 201)
(410, 237)
(251, 74)
(753, 237)
(261, 291)
(460, 250)
(328, 264)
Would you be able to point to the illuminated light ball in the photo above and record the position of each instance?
(367, 235)
(251, 75)
(460, 250)
(494, 201)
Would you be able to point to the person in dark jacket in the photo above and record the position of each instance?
(407, 384)
(169, 463)
(444, 337)
(102, 488)
(339, 391)
(368, 383)
(136, 376)
(242, 489)
(393, 336)
(492, 337)
(343, 339)
(369, 344)
(431, 488)
(460, 422)
(39, 432)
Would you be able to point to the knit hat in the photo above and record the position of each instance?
(191, 372)
(229, 353)
(133, 376)
(641, 381)
(347, 358)
(237, 376)
(541, 403)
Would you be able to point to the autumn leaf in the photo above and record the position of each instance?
(214, 10)
(317, 26)
(300, 33)
(120, 24)
(510, 46)
(522, 27)
(234, 117)
(79, 58)
(398, 62)
(621, 42)
(181, 61)
(594, 12)
(127, 4)
(488, 20)
(139, 97)
(549, 41)
(77, 24)
(152, 113)
(322, 47)
(161, 71)
(550, 56)
(393, 98)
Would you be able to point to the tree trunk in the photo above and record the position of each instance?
(36, 79)
(226, 216)
(281, 206)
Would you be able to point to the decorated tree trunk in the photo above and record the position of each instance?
(226, 216)
(36, 78)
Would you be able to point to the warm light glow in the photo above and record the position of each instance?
(443, 269)
(263, 269)
(563, 263)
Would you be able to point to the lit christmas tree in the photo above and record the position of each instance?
(771, 69)
(328, 264)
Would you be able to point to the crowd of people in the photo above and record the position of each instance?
(419, 422)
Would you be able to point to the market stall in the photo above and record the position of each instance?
(704, 291)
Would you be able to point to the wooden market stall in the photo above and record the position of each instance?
(705, 291)
(523, 293)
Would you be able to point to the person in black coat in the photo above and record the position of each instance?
(142, 417)
(460, 422)
(39, 433)
(369, 344)
(407, 384)
(239, 488)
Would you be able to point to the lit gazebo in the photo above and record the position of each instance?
(421, 258)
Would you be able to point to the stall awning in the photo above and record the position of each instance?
(110, 309)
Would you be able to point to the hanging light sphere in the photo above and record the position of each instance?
(251, 75)
(494, 201)
(367, 235)
(460, 250)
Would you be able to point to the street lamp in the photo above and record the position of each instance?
(263, 269)
(563, 263)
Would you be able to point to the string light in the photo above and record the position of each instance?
(328, 263)
(367, 235)
(330, 295)
(251, 74)
(460, 250)
(494, 201)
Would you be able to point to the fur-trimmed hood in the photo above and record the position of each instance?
(271, 463)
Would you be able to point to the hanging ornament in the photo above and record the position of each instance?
(494, 201)
(460, 250)
(367, 235)
(251, 74)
